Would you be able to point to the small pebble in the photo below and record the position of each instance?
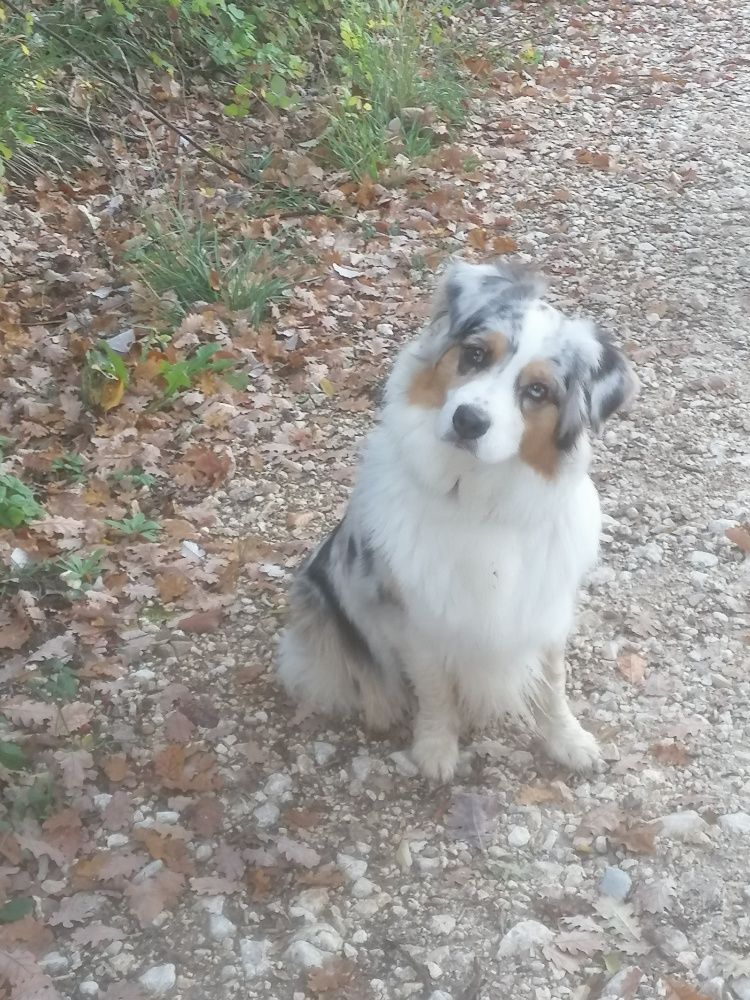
(158, 980)
(615, 883)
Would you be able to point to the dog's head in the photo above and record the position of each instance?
(505, 374)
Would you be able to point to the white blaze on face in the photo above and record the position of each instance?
(494, 391)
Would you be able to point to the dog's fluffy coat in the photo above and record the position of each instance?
(451, 580)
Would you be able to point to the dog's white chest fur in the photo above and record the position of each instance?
(489, 576)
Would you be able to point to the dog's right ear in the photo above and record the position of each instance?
(467, 293)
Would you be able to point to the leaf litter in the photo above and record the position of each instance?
(145, 595)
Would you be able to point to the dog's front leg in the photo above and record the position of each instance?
(437, 725)
(564, 737)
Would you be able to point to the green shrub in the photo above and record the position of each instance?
(396, 93)
(36, 130)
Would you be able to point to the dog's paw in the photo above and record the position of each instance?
(436, 756)
(576, 748)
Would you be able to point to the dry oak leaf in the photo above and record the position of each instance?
(590, 158)
(76, 909)
(677, 990)
(331, 978)
(259, 882)
(205, 815)
(73, 767)
(656, 896)
(741, 538)
(118, 813)
(637, 837)
(200, 710)
(178, 728)
(298, 854)
(602, 819)
(554, 792)
(10, 849)
(171, 851)
(671, 753)
(23, 712)
(27, 980)
(171, 584)
(28, 932)
(65, 831)
(229, 861)
(116, 767)
(632, 667)
(14, 634)
(301, 819)
(40, 848)
(196, 773)
(149, 897)
(71, 718)
(472, 817)
(95, 934)
(201, 621)
(329, 877)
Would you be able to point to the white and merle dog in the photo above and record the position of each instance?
(451, 580)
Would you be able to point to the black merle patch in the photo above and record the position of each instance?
(351, 551)
(368, 559)
(318, 572)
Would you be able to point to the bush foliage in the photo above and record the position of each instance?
(375, 59)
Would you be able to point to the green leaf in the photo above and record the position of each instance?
(12, 757)
(16, 909)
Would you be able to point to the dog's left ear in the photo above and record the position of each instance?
(599, 381)
(612, 384)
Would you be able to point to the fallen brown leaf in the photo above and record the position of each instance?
(116, 767)
(672, 753)
(152, 895)
(529, 795)
(205, 815)
(201, 621)
(333, 977)
(679, 990)
(632, 667)
(741, 538)
(637, 837)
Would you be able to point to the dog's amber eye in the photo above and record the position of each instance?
(474, 356)
(536, 391)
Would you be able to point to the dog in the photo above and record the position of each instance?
(450, 583)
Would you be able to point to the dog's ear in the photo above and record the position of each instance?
(599, 380)
(466, 293)
(612, 384)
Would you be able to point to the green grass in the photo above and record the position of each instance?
(184, 258)
(396, 86)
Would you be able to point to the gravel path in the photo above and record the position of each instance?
(633, 187)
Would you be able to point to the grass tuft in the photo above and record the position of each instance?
(184, 258)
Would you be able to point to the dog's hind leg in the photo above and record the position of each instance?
(564, 737)
(314, 663)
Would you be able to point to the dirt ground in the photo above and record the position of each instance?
(521, 881)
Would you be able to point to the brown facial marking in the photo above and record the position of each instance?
(497, 344)
(429, 386)
(538, 444)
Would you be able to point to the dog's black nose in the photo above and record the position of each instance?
(469, 422)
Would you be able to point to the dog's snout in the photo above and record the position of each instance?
(469, 422)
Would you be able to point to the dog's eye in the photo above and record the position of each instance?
(474, 356)
(536, 391)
